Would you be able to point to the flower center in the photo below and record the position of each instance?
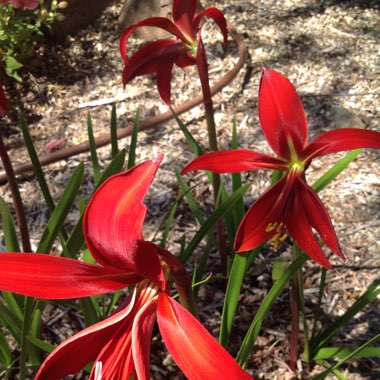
(280, 235)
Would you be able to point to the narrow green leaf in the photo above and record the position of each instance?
(114, 143)
(94, 155)
(59, 214)
(132, 148)
(341, 352)
(323, 181)
(115, 167)
(5, 352)
(45, 346)
(9, 229)
(210, 222)
(266, 304)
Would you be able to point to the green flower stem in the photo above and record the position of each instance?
(294, 334)
(19, 207)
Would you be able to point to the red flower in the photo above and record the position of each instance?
(3, 102)
(119, 345)
(23, 4)
(160, 56)
(291, 205)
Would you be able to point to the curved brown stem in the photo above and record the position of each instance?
(148, 123)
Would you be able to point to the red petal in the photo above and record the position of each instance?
(299, 227)
(183, 13)
(282, 115)
(158, 22)
(50, 277)
(192, 347)
(217, 16)
(141, 338)
(233, 161)
(340, 140)
(163, 77)
(3, 102)
(82, 348)
(114, 219)
(269, 208)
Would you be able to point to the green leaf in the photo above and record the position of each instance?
(210, 222)
(115, 167)
(5, 352)
(94, 155)
(9, 229)
(114, 143)
(45, 346)
(132, 148)
(341, 352)
(266, 304)
(59, 214)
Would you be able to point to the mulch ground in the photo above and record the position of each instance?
(328, 49)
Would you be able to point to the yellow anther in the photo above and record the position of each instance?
(271, 227)
(279, 236)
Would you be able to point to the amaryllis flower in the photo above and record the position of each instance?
(3, 102)
(160, 56)
(291, 205)
(23, 4)
(120, 345)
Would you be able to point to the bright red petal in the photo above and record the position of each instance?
(268, 209)
(114, 219)
(50, 277)
(299, 228)
(282, 115)
(163, 77)
(141, 338)
(233, 161)
(3, 103)
(183, 13)
(158, 22)
(192, 347)
(217, 16)
(82, 348)
(340, 140)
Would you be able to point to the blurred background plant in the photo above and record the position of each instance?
(20, 30)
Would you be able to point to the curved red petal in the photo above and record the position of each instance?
(340, 140)
(158, 22)
(141, 338)
(114, 219)
(282, 116)
(299, 228)
(163, 77)
(217, 16)
(233, 161)
(183, 13)
(50, 277)
(84, 347)
(3, 102)
(192, 347)
(268, 209)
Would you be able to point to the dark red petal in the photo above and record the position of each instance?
(152, 57)
(301, 232)
(196, 352)
(319, 218)
(3, 103)
(114, 219)
(233, 161)
(282, 115)
(217, 16)
(183, 13)
(340, 140)
(50, 277)
(163, 77)
(158, 22)
(268, 209)
(82, 348)
(141, 338)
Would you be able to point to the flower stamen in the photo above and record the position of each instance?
(280, 235)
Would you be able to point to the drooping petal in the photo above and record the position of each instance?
(50, 277)
(340, 140)
(113, 222)
(266, 211)
(158, 22)
(233, 161)
(183, 13)
(3, 103)
(301, 232)
(217, 16)
(84, 347)
(152, 57)
(163, 77)
(141, 339)
(282, 115)
(195, 351)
